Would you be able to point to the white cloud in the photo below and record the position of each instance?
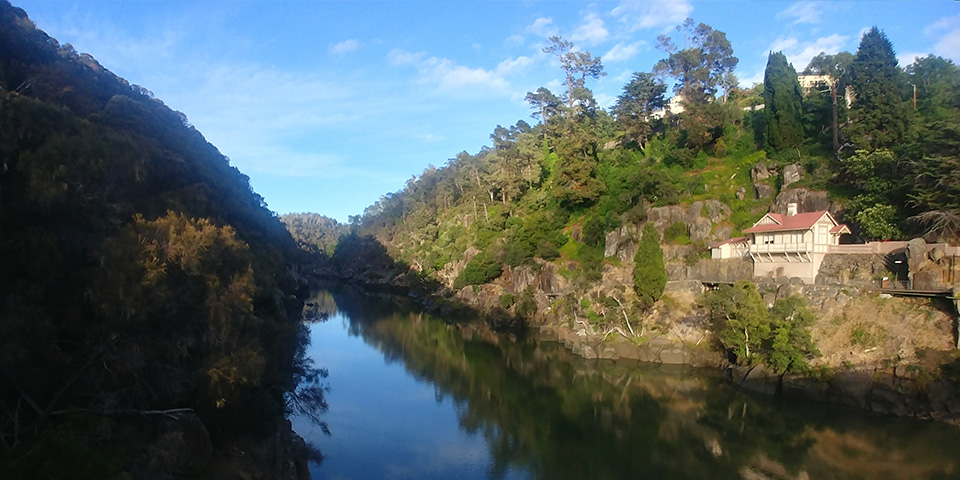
(640, 14)
(946, 31)
(591, 32)
(604, 100)
(543, 27)
(345, 46)
(751, 80)
(946, 23)
(448, 75)
(799, 52)
(398, 57)
(906, 58)
(514, 40)
(802, 12)
(622, 51)
(949, 46)
(516, 65)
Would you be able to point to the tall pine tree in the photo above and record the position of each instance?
(878, 115)
(782, 103)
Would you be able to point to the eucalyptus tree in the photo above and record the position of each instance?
(577, 67)
(635, 106)
(700, 58)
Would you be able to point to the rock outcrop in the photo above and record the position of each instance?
(806, 200)
(792, 174)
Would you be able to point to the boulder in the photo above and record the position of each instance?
(762, 191)
(916, 254)
(792, 174)
(806, 200)
(741, 193)
(716, 210)
(700, 229)
(759, 172)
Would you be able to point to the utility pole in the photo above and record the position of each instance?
(914, 96)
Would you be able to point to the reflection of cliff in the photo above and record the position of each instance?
(543, 410)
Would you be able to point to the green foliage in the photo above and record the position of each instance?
(701, 64)
(782, 103)
(482, 268)
(591, 231)
(314, 232)
(676, 233)
(526, 304)
(878, 223)
(140, 271)
(790, 343)
(649, 272)
(780, 337)
(506, 301)
(740, 318)
(879, 115)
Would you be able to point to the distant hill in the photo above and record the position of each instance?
(147, 313)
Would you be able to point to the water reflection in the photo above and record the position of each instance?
(544, 413)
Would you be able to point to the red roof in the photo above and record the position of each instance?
(732, 240)
(841, 228)
(800, 221)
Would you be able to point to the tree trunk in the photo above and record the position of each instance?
(836, 127)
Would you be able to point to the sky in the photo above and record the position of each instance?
(328, 105)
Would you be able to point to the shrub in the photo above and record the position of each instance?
(482, 268)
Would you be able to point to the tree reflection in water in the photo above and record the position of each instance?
(543, 411)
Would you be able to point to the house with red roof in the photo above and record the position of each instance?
(791, 245)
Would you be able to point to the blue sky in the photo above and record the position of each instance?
(327, 105)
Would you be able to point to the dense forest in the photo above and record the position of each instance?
(149, 321)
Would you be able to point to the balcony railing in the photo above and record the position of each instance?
(780, 248)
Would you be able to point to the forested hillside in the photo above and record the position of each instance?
(555, 189)
(148, 315)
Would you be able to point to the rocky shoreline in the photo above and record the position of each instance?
(889, 391)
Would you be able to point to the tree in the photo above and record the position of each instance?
(790, 340)
(577, 66)
(782, 103)
(740, 317)
(879, 119)
(545, 104)
(838, 68)
(878, 222)
(700, 64)
(649, 272)
(640, 97)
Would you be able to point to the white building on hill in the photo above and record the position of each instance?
(791, 245)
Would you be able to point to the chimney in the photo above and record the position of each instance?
(791, 209)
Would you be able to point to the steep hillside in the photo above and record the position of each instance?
(546, 223)
(148, 321)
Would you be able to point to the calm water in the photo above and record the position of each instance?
(413, 397)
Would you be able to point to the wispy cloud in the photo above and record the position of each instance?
(946, 33)
(803, 12)
(641, 14)
(622, 51)
(448, 75)
(543, 27)
(345, 46)
(591, 32)
(800, 52)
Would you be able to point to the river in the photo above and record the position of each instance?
(414, 397)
